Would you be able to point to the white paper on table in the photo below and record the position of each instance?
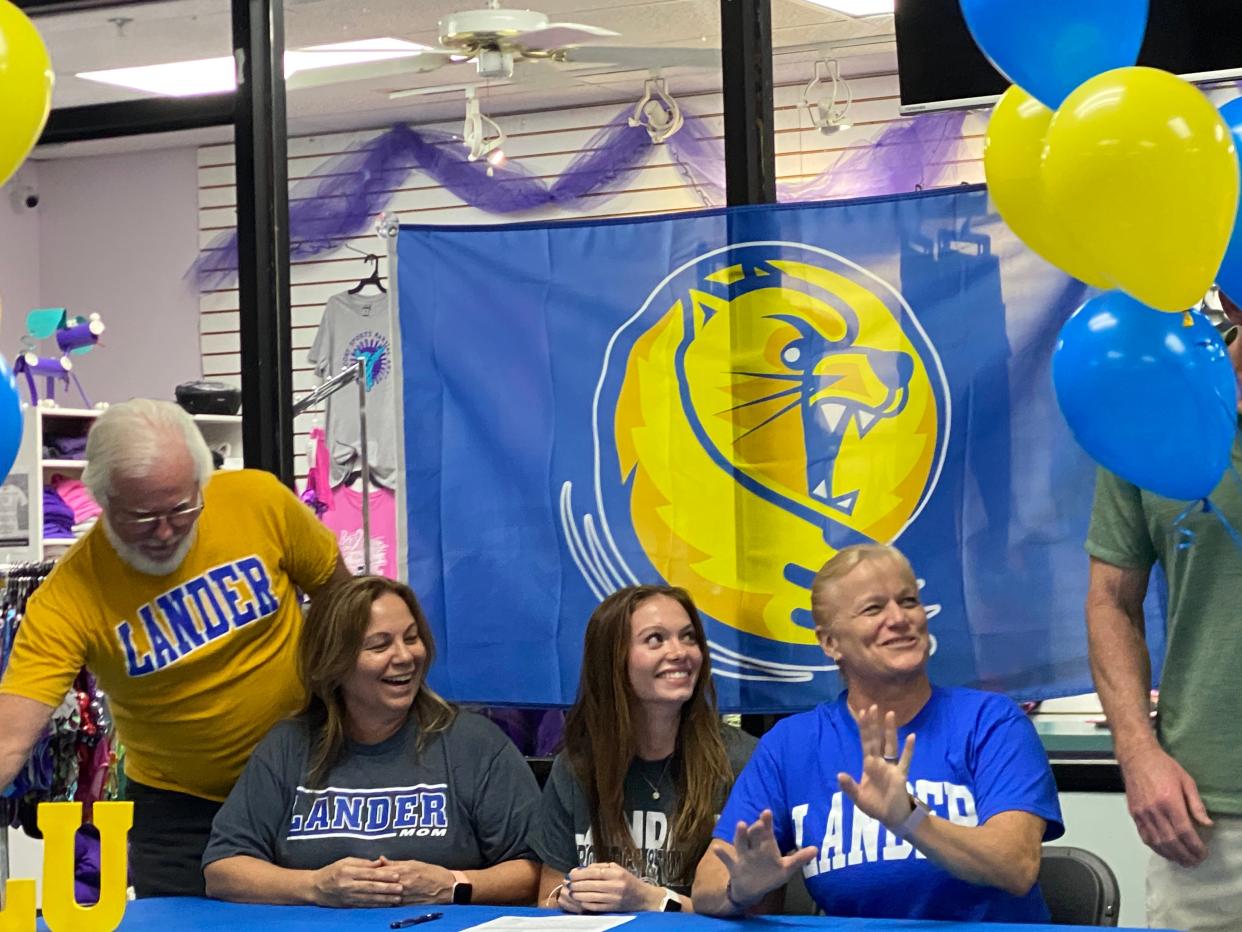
(552, 923)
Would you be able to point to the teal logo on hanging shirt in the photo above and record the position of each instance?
(375, 350)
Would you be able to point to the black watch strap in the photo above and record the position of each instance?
(463, 889)
(671, 903)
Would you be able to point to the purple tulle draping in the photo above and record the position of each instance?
(908, 155)
(341, 198)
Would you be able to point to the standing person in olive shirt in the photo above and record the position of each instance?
(182, 601)
(1184, 780)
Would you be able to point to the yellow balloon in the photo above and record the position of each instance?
(25, 88)
(1142, 167)
(1012, 150)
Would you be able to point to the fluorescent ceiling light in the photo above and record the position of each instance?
(348, 53)
(217, 75)
(856, 7)
(175, 79)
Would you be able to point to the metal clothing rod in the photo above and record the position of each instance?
(355, 373)
(25, 570)
(338, 381)
(360, 366)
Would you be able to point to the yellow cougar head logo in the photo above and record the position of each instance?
(775, 411)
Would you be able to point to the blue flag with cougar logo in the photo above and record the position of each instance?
(720, 401)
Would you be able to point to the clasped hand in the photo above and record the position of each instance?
(607, 888)
(382, 882)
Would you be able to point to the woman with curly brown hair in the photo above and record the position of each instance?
(630, 804)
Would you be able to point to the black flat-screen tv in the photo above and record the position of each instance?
(939, 66)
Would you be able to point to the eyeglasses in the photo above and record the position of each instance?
(1228, 320)
(178, 518)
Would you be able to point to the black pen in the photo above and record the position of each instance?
(414, 921)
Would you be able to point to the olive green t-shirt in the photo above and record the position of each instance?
(1200, 720)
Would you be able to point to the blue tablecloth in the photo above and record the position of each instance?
(161, 915)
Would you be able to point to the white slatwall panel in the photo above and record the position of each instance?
(545, 143)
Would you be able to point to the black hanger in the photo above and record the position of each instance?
(372, 279)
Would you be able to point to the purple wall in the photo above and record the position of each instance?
(19, 264)
(113, 235)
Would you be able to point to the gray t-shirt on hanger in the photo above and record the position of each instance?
(561, 831)
(356, 324)
(464, 802)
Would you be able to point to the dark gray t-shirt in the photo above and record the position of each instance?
(465, 802)
(561, 834)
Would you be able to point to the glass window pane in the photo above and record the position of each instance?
(111, 227)
(415, 133)
(140, 51)
(839, 133)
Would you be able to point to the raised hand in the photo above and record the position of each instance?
(607, 888)
(881, 792)
(755, 863)
(356, 882)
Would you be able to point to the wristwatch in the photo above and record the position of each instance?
(738, 907)
(671, 902)
(920, 812)
(463, 890)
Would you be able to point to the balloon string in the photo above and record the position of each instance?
(1237, 538)
(1185, 536)
(1233, 474)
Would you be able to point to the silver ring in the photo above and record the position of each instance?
(890, 760)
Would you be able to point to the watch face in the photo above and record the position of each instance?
(672, 903)
(462, 893)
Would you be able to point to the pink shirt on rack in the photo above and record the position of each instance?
(345, 520)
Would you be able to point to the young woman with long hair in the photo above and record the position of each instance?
(630, 803)
(380, 793)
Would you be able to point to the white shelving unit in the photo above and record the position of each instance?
(21, 495)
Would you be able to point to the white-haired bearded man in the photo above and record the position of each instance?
(183, 602)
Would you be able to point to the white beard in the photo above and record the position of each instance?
(138, 560)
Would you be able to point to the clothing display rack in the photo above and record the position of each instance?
(17, 582)
(355, 373)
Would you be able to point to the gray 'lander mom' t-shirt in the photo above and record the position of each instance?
(464, 802)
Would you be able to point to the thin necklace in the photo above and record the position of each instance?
(655, 787)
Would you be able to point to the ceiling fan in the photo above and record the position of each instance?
(494, 39)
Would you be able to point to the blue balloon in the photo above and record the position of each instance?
(1146, 396)
(1049, 47)
(1229, 278)
(10, 419)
